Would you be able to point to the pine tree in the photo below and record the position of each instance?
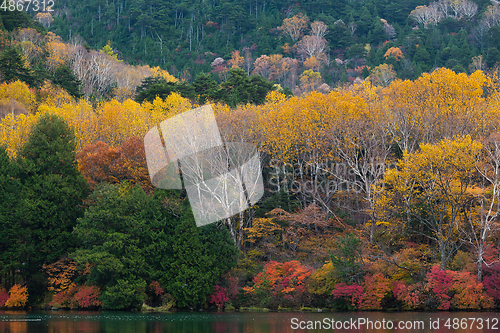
(64, 78)
(52, 194)
(205, 88)
(9, 232)
(13, 67)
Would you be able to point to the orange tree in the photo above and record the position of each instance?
(281, 285)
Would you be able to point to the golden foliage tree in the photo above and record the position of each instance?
(429, 190)
(295, 26)
(394, 52)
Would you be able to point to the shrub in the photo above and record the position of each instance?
(65, 299)
(82, 297)
(459, 290)
(124, 295)
(219, 297)
(376, 288)
(322, 281)
(87, 297)
(439, 283)
(347, 297)
(411, 296)
(4, 296)
(491, 282)
(468, 293)
(18, 296)
(281, 284)
(232, 286)
(155, 294)
(412, 260)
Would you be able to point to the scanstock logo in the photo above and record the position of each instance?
(221, 178)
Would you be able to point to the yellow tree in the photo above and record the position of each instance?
(157, 71)
(394, 52)
(128, 78)
(361, 146)
(295, 26)
(312, 63)
(53, 96)
(45, 19)
(297, 133)
(438, 105)
(31, 43)
(15, 130)
(109, 51)
(16, 91)
(120, 121)
(309, 81)
(79, 115)
(453, 104)
(429, 192)
(236, 60)
(382, 75)
(59, 52)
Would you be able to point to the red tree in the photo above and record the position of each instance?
(101, 163)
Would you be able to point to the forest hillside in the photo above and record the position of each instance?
(380, 194)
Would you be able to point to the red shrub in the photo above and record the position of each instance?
(74, 297)
(412, 296)
(4, 296)
(87, 297)
(491, 281)
(232, 289)
(156, 288)
(376, 287)
(218, 297)
(64, 299)
(439, 283)
(458, 289)
(352, 294)
(155, 294)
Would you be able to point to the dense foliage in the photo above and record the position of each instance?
(382, 194)
(407, 37)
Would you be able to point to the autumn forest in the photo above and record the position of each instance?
(381, 193)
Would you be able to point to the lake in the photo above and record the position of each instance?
(232, 322)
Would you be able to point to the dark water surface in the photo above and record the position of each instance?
(233, 322)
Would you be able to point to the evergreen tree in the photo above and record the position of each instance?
(15, 19)
(241, 89)
(200, 257)
(493, 57)
(347, 259)
(123, 238)
(148, 82)
(13, 67)
(9, 230)
(161, 89)
(64, 78)
(205, 88)
(131, 239)
(259, 89)
(52, 194)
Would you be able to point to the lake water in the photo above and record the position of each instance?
(233, 322)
